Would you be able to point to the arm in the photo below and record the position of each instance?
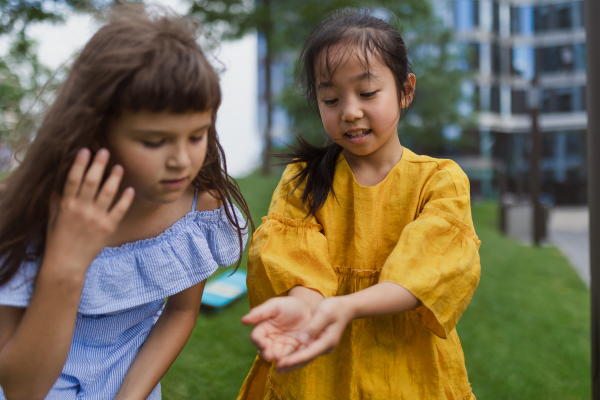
(35, 342)
(164, 343)
(286, 327)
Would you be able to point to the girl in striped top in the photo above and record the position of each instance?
(122, 200)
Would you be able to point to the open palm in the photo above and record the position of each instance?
(278, 324)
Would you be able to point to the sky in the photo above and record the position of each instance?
(237, 119)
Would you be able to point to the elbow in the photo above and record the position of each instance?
(17, 391)
(21, 394)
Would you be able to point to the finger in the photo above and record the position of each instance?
(315, 326)
(288, 349)
(75, 175)
(93, 177)
(110, 188)
(269, 309)
(259, 337)
(320, 346)
(277, 350)
(119, 210)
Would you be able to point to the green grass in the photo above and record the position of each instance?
(525, 333)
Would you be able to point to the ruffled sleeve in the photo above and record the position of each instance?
(18, 290)
(289, 249)
(437, 255)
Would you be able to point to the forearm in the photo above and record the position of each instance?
(385, 298)
(163, 345)
(161, 348)
(33, 356)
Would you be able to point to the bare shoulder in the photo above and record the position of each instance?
(208, 201)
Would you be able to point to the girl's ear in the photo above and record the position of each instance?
(409, 89)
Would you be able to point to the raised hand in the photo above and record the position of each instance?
(83, 219)
(279, 322)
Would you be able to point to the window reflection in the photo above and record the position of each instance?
(466, 13)
(523, 62)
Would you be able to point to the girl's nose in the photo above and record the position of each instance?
(179, 158)
(351, 111)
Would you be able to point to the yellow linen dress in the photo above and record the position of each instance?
(415, 229)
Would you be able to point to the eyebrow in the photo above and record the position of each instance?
(168, 133)
(360, 77)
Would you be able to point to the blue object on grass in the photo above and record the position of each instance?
(224, 290)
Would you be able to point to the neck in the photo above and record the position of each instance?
(380, 162)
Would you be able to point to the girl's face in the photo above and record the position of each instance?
(160, 152)
(359, 107)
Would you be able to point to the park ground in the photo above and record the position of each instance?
(525, 335)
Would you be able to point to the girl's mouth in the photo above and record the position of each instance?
(358, 136)
(174, 184)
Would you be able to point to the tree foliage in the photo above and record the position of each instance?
(22, 75)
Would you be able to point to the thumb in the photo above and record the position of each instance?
(269, 309)
(319, 322)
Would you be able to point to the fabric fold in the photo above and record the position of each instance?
(137, 273)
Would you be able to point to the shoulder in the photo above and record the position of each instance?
(208, 201)
(436, 172)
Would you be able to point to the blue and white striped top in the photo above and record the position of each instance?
(125, 288)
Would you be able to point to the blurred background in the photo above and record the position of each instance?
(501, 89)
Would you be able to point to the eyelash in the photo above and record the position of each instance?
(332, 102)
(155, 145)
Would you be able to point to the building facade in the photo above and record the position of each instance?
(506, 43)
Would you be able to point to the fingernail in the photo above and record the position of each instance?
(118, 168)
(83, 152)
(102, 152)
(304, 337)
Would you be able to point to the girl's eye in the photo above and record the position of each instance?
(153, 145)
(196, 139)
(369, 94)
(330, 102)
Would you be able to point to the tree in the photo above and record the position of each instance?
(22, 75)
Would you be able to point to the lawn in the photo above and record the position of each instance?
(525, 333)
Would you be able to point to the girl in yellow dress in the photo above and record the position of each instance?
(368, 256)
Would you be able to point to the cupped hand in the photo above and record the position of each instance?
(319, 336)
(83, 219)
(278, 324)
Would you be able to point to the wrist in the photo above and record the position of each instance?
(64, 269)
(346, 306)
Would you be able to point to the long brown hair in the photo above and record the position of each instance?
(139, 60)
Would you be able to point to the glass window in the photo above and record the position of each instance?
(579, 55)
(564, 18)
(495, 99)
(542, 18)
(519, 102)
(556, 59)
(521, 20)
(564, 100)
(496, 59)
(523, 62)
(495, 17)
(466, 15)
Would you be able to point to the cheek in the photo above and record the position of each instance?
(199, 155)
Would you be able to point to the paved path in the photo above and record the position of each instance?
(569, 231)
